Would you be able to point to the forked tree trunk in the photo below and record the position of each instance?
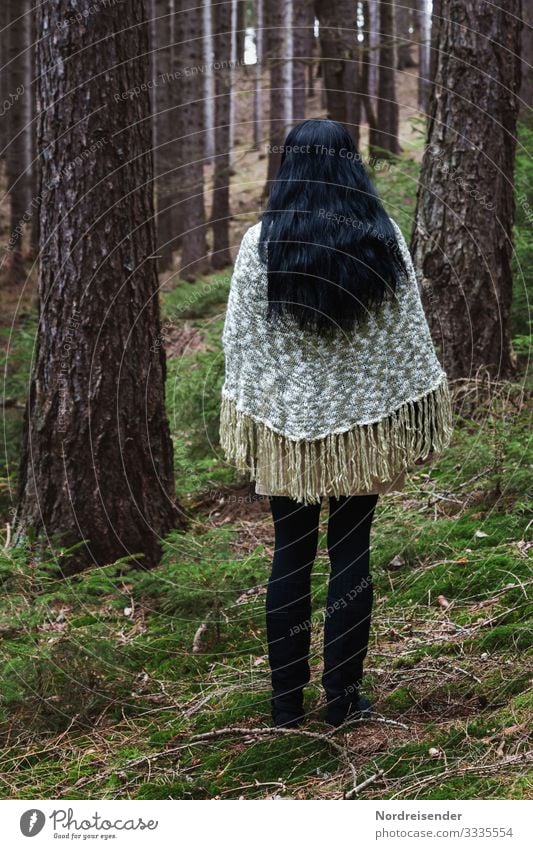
(462, 242)
(97, 455)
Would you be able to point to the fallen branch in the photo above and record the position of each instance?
(351, 793)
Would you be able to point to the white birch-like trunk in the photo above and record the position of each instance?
(209, 81)
(373, 42)
(233, 63)
(424, 23)
(258, 91)
(287, 67)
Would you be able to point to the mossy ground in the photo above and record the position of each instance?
(102, 695)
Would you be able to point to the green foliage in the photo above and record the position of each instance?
(523, 239)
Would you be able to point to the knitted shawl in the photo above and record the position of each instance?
(303, 412)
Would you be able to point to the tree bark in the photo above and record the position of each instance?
(424, 42)
(384, 139)
(209, 80)
(278, 117)
(18, 147)
(366, 68)
(526, 89)
(97, 456)
(260, 57)
(164, 145)
(462, 242)
(220, 215)
(32, 75)
(304, 23)
(340, 62)
(189, 123)
(241, 30)
(404, 14)
(373, 46)
(4, 82)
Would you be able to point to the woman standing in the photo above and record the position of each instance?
(332, 390)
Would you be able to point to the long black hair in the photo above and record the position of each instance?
(329, 246)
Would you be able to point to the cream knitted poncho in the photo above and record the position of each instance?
(308, 415)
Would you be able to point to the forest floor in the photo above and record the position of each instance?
(102, 695)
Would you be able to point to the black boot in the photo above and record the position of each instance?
(289, 635)
(359, 707)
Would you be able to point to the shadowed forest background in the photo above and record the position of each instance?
(138, 139)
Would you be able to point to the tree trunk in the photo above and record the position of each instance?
(304, 23)
(232, 64)
(220, 215)
(436, 16)
(384, 139)
(462, 242)
(260, 58)
(4, 82)
(526, 89)
(189, 124)
(32, 75)
(424, 43)
(97, 456)
(404, 14)
(278, 119)
(241, 30)
(164, 144)
(366, 67)
(340, 62)
(17, 158)
(209, 80)
(373, 44)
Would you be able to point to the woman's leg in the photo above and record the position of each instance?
(288, 604)
(349, 604)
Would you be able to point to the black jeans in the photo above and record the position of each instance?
(349, 601)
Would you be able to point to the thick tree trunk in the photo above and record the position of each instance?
(340, 62)
(97, 457)
(32, 75)
(4, 82)
(462, 239)
(384, 139)
(17, 153)
(189, 123)
(164, 143)
(220, 215)
(526, 89)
